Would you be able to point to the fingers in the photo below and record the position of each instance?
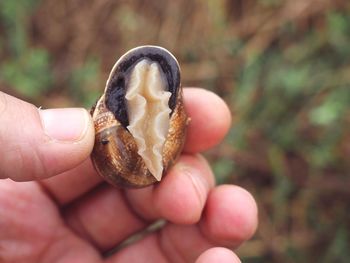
(230, 216)
(105, 218)
(182, 243)
(180, 197)
(210, 119)
(41, 143)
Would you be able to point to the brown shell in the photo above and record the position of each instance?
(115, 154)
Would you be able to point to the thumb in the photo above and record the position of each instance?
(36, 144)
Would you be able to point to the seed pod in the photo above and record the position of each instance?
(140, 120)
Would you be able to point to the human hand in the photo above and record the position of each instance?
(73, 216)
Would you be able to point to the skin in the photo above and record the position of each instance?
(55, 208)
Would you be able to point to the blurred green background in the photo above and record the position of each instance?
(282, 67)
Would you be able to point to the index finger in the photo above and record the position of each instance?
(208, 126)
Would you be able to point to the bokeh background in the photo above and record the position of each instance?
(281, 66)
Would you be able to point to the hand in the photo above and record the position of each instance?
(73, 216)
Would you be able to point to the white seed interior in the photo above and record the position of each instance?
(148, 110)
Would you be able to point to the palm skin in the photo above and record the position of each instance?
(76, 217)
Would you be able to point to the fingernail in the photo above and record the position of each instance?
(67, 125)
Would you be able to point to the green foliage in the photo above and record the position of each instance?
(14, 15)
(289, 87)
(24, 68)
(332, 109)
(223, 168)
(29, 74)
(83, 83)
(295, 95)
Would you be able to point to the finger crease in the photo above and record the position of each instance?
(198, 190)
(40, 166)
(80, 228)
(133, 210)
(161, 239)
(205, 236)
(48, 193)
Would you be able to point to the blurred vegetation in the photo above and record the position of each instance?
(282, 66)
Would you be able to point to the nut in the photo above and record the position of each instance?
(140, 120)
